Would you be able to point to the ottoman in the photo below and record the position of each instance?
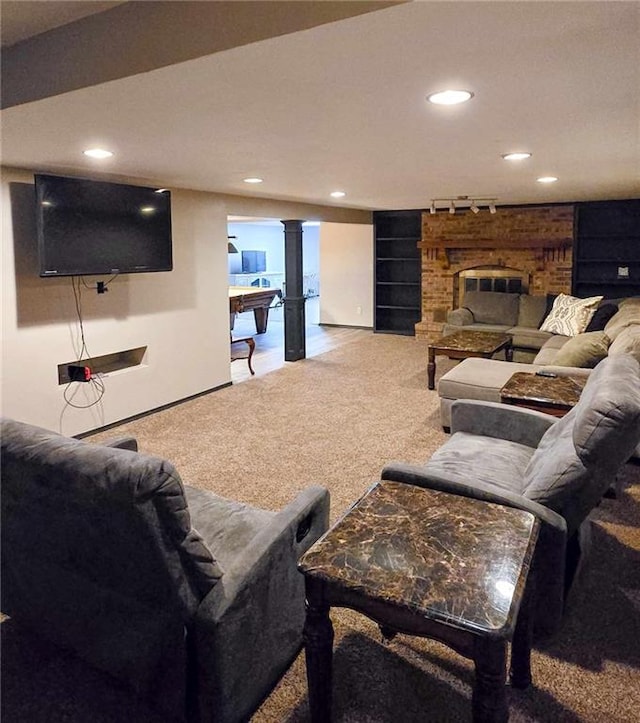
(476, 378)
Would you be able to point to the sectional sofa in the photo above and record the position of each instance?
(534, 348)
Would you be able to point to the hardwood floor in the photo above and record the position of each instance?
(269, 351)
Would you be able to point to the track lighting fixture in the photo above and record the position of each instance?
(461, 202)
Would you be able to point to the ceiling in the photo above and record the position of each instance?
(341, 106)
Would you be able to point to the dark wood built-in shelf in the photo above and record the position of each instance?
(607, 239)
(397, 287)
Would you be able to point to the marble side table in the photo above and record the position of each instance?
(432, 564)
(555, 395)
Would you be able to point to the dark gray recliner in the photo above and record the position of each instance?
(191, 599)
(557, 469)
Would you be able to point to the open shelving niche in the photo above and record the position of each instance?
(397, 273)
(106, 364)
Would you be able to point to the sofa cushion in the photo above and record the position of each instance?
(570, 315)
(493, 328)
(629, 301)
(627, 342)
(476, 378)
(529, 337)
(458, 460)
(532, 310)
(583, 350)
(225, 525)
(627, 315)
(549, 350)
(601, 316)
(493, 307)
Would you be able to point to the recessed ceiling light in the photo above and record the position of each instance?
(337, 194)
(97, 153)
(546, 179)
(450, 97)
(516, 156)
(252, 180)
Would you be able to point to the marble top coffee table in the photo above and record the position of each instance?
(467, 343)
(432, 564)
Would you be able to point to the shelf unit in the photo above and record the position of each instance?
(397, 282)
(606, 257)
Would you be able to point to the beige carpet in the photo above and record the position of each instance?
(336, 420)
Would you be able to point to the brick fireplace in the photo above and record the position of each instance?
(536, 241)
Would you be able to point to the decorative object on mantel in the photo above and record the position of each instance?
(460, 202)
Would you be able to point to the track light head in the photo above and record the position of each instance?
(492, 207)
(452, 208)
(474, 207)
(432, 209)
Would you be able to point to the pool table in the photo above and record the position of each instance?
(252, 298)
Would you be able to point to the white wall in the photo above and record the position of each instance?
(346, 274)
(182, 316)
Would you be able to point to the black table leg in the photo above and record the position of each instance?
(520, 670)
(318, 643)
(431, 368)
(489, 699)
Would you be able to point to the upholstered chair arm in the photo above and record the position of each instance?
(459, 317)
(130, 443)
(255, 613)
(550, 555)
(501, 421)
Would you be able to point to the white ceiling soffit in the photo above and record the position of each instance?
(342, 106)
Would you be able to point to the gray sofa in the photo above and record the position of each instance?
(556, 469)
(192, 600)
(517, 314)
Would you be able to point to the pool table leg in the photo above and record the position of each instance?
(261, 315)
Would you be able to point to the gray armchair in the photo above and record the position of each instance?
(557, 469)
(192, 600)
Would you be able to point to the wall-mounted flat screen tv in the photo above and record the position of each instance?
(254, 262)
(98, 228)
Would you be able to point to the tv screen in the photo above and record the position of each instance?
(98, 228)
(254, 262)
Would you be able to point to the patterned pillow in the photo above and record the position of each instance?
(570, 315)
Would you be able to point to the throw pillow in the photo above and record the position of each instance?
(627, 315)
(630, 301)
(570, 315)
(583, 350)
(601, 316)
(627, 342)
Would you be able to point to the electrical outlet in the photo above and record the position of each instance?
(359, 310)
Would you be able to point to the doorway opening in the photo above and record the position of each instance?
(257, 262)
